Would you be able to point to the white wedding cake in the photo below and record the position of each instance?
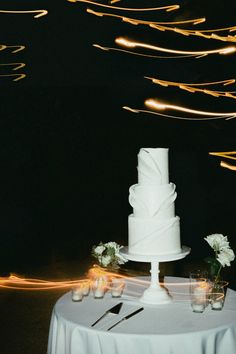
(153, 228)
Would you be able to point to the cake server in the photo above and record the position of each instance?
(126, 317)
(115, 310)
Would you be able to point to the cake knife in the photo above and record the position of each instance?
(115, 310)
(126, 317)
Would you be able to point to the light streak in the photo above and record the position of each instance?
(17, 77)
(140, 54)
(18, 47)
(39, 13)
(17, 65)
(131, 44)
(155, 104)
(136, 110)
(19, 283)
(162, 26)
(194, 87)
(200, 33)
(134, 21)
(134, 286)
(16, 282)
(227, 155)
(228, 166)
(166, 8)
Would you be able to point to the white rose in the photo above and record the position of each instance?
(218, 242)
(225, 257)
(99, 249)
(113, 245)
(105, 260)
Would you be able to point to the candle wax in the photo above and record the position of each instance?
(217, 305)
(198, 307)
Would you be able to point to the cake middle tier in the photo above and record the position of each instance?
(152, 236)
(153, 201)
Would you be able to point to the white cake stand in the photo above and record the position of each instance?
(155, 293)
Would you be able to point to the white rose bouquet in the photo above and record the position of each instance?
(223, 254)
(108, 254)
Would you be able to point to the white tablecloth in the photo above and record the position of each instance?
(159, 329)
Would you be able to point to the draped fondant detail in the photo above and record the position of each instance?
(150, 201)
(151, 237)
(153, 227)
(153, 166)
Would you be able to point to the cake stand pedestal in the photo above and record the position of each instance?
(155, 293)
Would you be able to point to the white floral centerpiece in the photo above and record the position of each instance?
(108, 255)
(223, 254)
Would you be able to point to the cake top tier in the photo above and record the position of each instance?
(153, 167)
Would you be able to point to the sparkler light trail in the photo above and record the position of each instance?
(131, 44)
(39, 13)
(166, 8)
(155, 104)
(17, 65)
(18, 47)
(17, 77)
(194, 87)
(227, 155)
(220, 34)
(200, 33)
(134, 21)
(140, 54)
(17, 283)
(228, 166)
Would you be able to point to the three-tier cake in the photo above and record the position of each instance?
(153, 227)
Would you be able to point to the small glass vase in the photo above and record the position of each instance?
(218, 292)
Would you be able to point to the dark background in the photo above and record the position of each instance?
(69, 151)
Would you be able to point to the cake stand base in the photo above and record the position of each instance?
(155, 294)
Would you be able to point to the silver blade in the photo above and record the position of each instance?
(114, 309)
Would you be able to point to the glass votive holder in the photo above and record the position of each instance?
(86, 287)
(198, 304)
(99, 287)
(117, 286)
(77, 293)
(199, 290)
(218, 295)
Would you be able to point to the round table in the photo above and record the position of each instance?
(159, 329)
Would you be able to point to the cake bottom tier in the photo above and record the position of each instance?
(149, 236)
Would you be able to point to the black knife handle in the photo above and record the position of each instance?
(133, 313)
(126, 317)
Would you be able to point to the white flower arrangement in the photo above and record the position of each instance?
(223, 253)
(108, 254)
